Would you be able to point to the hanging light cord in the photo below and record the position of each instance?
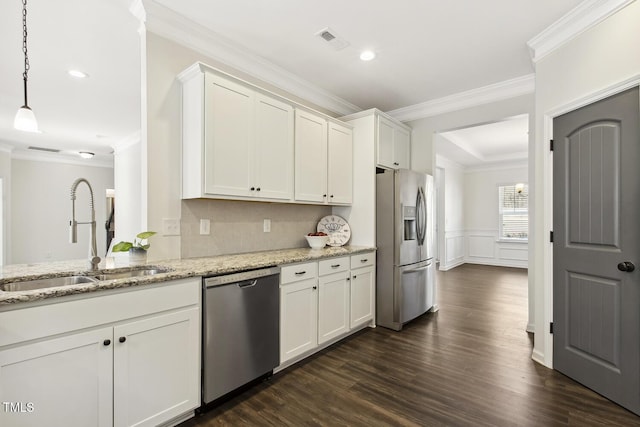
(24, 49)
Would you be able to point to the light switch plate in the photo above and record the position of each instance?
(205, 226)
(266, 226)
(170, 227)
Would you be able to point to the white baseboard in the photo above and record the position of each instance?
(531, 327)
(497, 262)
(539, 358)
(450, 266)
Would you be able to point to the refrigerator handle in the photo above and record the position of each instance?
(421, 216)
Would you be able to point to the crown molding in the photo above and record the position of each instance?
(127, 142)
(483, 95)
(163, 21)
(59, 158)
(586, 15)
(6, 148)
(498, 166)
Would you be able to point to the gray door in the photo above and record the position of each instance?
(596, 217)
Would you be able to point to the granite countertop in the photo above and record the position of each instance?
(178, 269)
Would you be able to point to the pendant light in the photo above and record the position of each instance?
(25, 119)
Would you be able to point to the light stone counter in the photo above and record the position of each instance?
(179, 269)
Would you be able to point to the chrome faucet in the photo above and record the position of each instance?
(94, 259)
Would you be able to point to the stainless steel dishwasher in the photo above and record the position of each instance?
(241, 330)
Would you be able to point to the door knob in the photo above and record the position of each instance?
(626, 266)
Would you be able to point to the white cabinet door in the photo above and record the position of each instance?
(340, 164)
(156, 368)
(228, 149)
(273, 149)
(58, 382)
(333, 306)
(385, 142)
(362, 295)
(401, 148)
(298, 318)
(311, 157)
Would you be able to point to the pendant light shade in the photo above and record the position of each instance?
(25, 119)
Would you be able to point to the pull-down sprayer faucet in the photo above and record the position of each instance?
(94, 259)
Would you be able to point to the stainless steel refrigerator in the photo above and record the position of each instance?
(405, 267)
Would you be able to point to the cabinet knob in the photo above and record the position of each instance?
(364, 260)
(355, 277)
(252, 188)
(106, 342)
(348, 279)
(258, 189)
(122, 339)
(315, 287)
(331, 196)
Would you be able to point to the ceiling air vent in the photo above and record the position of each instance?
(334, 40)
(48, 150)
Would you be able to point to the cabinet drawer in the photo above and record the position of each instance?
(294, 273)
(363, 260)
(333, 265)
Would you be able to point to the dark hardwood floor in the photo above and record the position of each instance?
(467, 365)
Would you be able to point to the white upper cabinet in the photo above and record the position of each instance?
(340, 164)
(311, 157)
(242, 142)
(228, 133)
(324, 160)
(273, 154)
(393, 145)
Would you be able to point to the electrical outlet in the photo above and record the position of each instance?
(170, 227)
(205, 226)
(266, 226)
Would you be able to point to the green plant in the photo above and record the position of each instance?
(137, 242)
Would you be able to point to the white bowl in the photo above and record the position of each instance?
(317, 242)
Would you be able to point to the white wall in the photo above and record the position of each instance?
(598, 58)
(41, 210)
(482, 220)
(453, 251)
(127, 184)
(5, 233)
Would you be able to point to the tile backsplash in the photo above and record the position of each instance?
(237, 226)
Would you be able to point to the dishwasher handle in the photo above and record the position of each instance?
(247, 283)
(243, 277)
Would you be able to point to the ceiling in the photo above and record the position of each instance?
(503, 141)
(426, 49)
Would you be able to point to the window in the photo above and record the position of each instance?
(513, 211)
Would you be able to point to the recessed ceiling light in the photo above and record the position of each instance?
(367, 55)
(78, 74)
(86, 154)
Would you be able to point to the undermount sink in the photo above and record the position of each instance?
(29, 285)
(129, 274)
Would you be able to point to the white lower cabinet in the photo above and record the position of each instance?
(319, 302)
(333, 306)
(129, 359)
(155, 358)
(58, 382)
(298, 318)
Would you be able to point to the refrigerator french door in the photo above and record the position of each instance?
(404, 238)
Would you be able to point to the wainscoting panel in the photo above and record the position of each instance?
(483, 247)
(454, 250)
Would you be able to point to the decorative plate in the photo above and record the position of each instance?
(336, 228)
